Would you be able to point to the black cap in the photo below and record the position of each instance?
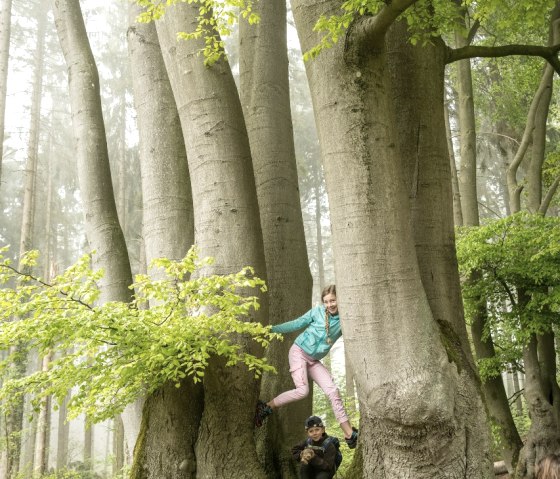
(313, 421)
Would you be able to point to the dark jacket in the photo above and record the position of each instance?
(322, 461)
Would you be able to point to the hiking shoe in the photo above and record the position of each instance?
(262, 412)
(352, 441)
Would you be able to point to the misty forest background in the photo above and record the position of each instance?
(503, 154)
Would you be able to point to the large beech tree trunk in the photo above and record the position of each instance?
(264, 93)
(421, 409)
(171, 413)
(227, 227)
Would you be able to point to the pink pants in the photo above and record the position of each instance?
(302, 365)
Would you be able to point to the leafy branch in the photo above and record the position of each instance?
(109, 354)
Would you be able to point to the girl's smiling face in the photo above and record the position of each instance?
(329, 300)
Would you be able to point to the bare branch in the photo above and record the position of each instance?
(550, 54)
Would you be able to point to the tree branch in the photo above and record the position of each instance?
(548, 198)
(43, 283)
(550, 54)
(369, 30)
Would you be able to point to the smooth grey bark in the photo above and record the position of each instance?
(467, 136)
(227, 227)
(103, 230)
(62, 436)
(88, 450)
(457, 210)
(405, 337)
(5, 32)
(264, 94)
(40, 456)
(168, 232)
(118, 446)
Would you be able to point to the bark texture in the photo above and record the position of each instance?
(227, 227)
(402, 321)
(264, 93)
(102, 226)
(173, 413)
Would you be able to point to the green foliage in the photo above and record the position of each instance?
(214, 21)
(518, 259)
(112, 353)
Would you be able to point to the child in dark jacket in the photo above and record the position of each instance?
(316, 455)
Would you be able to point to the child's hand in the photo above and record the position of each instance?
(306, 455)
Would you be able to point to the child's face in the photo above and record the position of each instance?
(329, 300)
(315, 432)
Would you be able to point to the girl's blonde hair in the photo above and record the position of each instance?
(548, 467)
(330, 289)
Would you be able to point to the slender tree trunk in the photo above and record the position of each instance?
(102, 226)
(88, 444)
(118, 446)
(493, 388)
(17, 454)
(5, 32)
(227, 227)
(43, 429)
(168, 232)
(103, 230)
(264, 94)
(62, 436)
(457, 208)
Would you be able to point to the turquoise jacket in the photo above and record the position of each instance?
(313, 340)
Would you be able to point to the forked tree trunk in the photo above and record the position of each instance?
(264, 94)
(227, 227)
(421, 408)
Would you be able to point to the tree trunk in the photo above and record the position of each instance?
(102, 226)
(543, 436)
(493, 388)
(103, 230)
(16, 454)
(5, 31)
(168, 232)
(40, 458)
(264, 93)
(89, 431)
(118, 446)
(457, 209)
(405, 336)
(227, 228)
(62, 436)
